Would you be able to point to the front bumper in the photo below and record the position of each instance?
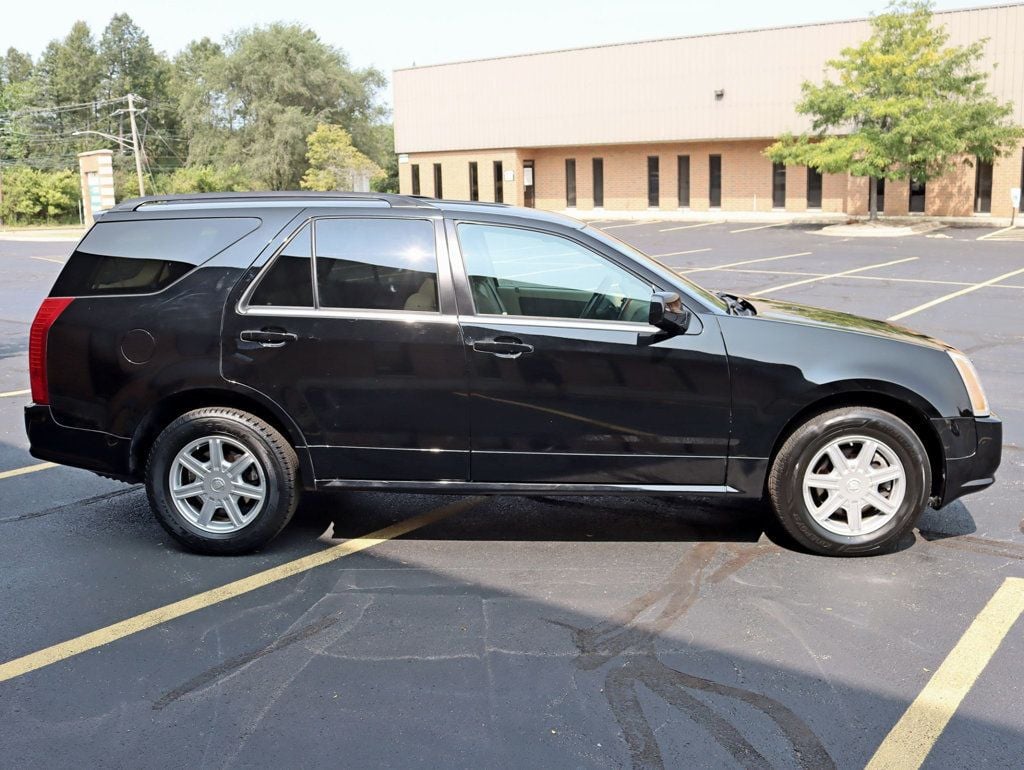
(92, 450)
(973, 447)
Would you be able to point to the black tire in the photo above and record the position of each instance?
(785, 480)
(275, 456)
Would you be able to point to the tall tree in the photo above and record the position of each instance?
(904, 105)
(256, 100)
(70, 69)
(334, 164)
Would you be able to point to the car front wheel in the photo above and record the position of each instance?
(222, 481)
(851, 481)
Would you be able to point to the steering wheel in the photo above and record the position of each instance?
(590, 309)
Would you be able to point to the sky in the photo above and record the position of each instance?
(390, 34)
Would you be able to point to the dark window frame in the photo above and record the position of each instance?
(653, 181)
(499, 182)
(415, 171)
(815, 188)
(683, 188)
(778, 185)
(438, 182)
(570, 183)
(597, 181)
(981, 205)
(923, 196)
(474, 181)
(715, 181)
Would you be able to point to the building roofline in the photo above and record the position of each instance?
(597, 46)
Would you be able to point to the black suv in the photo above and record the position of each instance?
(231, 350)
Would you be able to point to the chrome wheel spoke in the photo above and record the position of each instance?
(828, 508)
(879, 503)
(239, 466)
(233, 511)
(216, 454)
(187, 490)
(854, 518)
(866, 455)
(240, 488)
(823, 481)
(839, 461)
(882, 475)
(193, 466)
(206, 513)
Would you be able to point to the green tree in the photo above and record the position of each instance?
(32, 194)
(70, 69)
(334, 164)
(904, 105)
(254, 100)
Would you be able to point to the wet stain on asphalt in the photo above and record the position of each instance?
(629, 643)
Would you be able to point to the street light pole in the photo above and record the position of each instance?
(135, 142)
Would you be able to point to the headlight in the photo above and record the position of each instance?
(979, 403)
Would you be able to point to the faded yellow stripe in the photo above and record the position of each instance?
(26, 469)
(908, 743)
(112, 633)
(11, 393)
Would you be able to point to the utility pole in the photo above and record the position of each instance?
(135, 142)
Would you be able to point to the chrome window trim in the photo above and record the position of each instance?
(421, 316)
(560, 323)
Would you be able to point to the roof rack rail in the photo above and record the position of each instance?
(254, 198)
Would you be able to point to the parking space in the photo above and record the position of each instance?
(408, 630)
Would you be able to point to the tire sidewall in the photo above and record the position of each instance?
(276, 508)
(814, 436)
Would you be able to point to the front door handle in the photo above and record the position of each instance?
(268, 338)
(503, 347)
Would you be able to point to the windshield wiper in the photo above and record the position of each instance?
(736, 305)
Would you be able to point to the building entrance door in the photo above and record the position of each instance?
(529, 185)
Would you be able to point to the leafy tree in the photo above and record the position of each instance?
(70, 69)
(15, 67)
(904, 105)
(32, 194)
(334, 164)
(200, 179)
(254, 101)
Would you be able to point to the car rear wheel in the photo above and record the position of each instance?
(851, 481)
(222, 481)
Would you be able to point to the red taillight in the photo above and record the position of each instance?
(49, 311)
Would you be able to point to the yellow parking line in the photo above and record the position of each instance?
(677, 253)
(830, 275)
(26, 469)
(633, 224)
(133, 625)
(758, 227)
(747, 262)
(955, 294)
(12, 393)
(909, 742)
(687, 227)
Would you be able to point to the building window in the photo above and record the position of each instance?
(715, 181)
(598, 165)
(415, 178)
(813, 188)
(917, 194)
(683, 176)
(438, 193)
(982, 187)
(779, 185)
(499, 183)
(474, 182)
(653, 182)
(570, 183)
(880, 194)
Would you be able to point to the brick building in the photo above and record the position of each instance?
(673, 124)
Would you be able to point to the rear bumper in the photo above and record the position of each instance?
(976, 468)
(94, 451)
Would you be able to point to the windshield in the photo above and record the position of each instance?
(711, 299)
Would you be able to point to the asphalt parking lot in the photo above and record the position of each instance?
(405, 630)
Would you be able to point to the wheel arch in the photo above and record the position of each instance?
(909, 407)
(172, 406)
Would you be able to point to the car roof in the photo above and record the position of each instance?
(303, 199)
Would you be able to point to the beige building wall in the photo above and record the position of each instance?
(455, 174)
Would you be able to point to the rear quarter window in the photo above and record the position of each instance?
(143, 256)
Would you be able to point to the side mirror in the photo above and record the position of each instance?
(668, 314)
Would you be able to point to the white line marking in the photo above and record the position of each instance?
(687, 227)
(955, 294)
(50, 259)
(994, 233)
(677, 253)
(12, 393)
(759, 227)
(747, 262)
(632, 224)
(830, 275)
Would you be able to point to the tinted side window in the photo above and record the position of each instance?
(289, 282)
(528, 273)
(376, 264)
(141, 256)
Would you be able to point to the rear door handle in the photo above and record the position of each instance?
(268, 338)
(503, 347)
